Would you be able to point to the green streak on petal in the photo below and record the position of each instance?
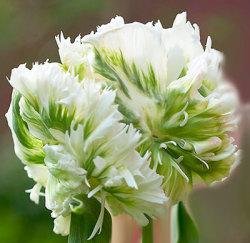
(80, 71)
(35, 122)
(129, 116)
(59, 117)
(106, 70)
(113, 66)
(32, 148)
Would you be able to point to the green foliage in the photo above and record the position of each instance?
(183, 227)
(147, 232)
(82, 224)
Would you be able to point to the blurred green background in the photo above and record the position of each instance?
(27, 30)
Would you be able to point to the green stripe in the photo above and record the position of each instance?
(32, 148)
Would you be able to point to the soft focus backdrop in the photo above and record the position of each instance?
(27, 30)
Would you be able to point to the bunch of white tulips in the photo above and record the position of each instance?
(133, 117)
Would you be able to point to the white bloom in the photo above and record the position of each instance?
(46, 84)
(184, 36)
(71, 53)
(39, 173)
(136, 41)
(82, 148)
(75, 57)
(174, 91)
(62, 225)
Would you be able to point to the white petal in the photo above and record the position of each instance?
(35, 193)
(180, 19)
(207, 145)
(38, 173)
(62, 225)
(135, 41)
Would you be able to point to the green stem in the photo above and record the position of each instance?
(76, 230)
(84, 220)
(183, 228)
(147, 232)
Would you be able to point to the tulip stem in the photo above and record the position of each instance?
(183, 227)
(76, 230)
(147, 232)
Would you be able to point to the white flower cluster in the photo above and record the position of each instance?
(169, 88)
(133, 110)
(70, 138)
